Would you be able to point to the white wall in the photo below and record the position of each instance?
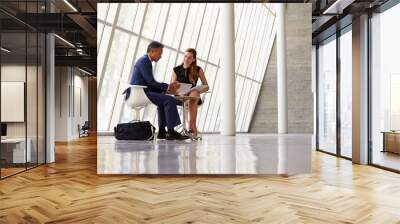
(80, 94)
(71, 87)
(62, 81)
(16, 73)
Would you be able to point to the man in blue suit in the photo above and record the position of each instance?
(156, 91)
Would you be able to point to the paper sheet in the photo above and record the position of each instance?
(184, 88)
(198, 88)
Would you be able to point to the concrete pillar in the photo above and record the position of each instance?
(360, 90)
(227, 69)
(281, 67)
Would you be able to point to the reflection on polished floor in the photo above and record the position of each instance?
(386, 159)
(215, 154)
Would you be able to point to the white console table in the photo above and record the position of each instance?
(17, 147)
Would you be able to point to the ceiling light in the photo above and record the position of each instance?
(79, 51)
(70, 5)
(5, 50)
(65, 41)
(86, 72)
(338, 6)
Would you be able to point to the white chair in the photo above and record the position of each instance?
(137, 100)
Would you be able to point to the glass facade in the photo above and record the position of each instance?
(125, 30)
(385, 88)
(334, 63)
(327, 96)
(22, 77)
(346, 93)
(334, 78)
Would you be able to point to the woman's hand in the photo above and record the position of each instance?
(205, 89)
(203, 81)
(173, 87)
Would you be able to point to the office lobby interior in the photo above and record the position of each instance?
(300, 124)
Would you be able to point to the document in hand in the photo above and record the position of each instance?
(198, 88)
(184, 88)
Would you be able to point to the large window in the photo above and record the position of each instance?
(125, 29)
(346, 93)
(327, 96)
(335, 73)
(385, 88)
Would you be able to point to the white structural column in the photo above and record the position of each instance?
(50, 98)
(360, 90)
(281, 67)
(314, 91)
(227, 69)
(282, 155)
(50, 92)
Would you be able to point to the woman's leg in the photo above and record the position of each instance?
(193, 111)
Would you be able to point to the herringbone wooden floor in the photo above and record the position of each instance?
(70, 191)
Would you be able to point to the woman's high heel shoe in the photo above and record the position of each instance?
(194, 135)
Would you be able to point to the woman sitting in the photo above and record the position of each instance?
(189, 72)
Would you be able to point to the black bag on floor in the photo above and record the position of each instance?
(141, 130)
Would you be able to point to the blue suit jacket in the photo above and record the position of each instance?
(143, 75)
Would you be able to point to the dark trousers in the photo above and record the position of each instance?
(166, 108)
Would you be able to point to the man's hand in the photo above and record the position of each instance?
(173, 87)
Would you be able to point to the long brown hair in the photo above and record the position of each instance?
(193, 73)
